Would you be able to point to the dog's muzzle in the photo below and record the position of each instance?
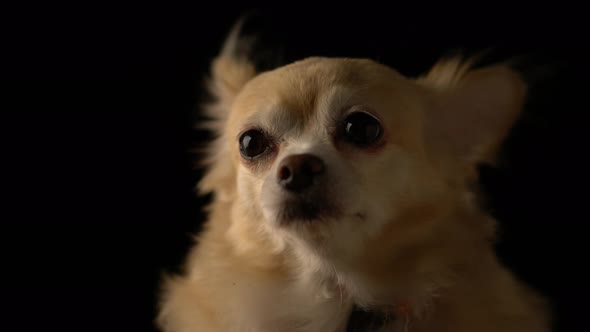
(301, 178)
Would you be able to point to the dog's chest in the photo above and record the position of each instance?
(316, 309)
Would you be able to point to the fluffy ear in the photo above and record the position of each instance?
(472, 110)
(230, 71)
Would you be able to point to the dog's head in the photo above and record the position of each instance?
(335, 154)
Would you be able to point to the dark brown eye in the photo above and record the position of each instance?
(253, 143)
(362, 129)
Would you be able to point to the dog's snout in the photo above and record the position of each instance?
(297, 172)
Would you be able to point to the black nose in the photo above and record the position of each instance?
(297, 172)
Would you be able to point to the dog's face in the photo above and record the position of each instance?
(331, 154)
(330, 150)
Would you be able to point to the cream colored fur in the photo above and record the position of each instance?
(408, 230)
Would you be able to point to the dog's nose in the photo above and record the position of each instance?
(297, 172)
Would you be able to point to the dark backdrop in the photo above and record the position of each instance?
(97, 130)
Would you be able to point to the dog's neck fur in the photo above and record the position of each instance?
(401, 274)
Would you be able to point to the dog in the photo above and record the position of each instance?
(343, 201)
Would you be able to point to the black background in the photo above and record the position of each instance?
(100, 105)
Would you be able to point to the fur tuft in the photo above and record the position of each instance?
(448, 72)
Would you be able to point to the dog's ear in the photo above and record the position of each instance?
(230, 71)
(472, 110)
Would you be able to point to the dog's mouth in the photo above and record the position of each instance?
(305, 210)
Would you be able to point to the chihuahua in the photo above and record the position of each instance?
(343, 201)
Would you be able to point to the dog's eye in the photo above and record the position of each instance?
(253, 143)
(362, 129)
